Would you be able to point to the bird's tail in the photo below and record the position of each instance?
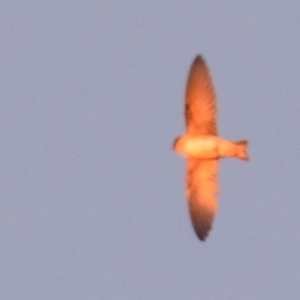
(241, 147)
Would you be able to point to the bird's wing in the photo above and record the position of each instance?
(200, 105)
(202, 188)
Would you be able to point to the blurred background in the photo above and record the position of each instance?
(93, 197)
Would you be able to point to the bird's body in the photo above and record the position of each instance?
(209, 147)
(202, 147)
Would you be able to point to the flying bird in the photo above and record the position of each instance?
(203, 147)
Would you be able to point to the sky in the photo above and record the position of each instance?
(93, 199)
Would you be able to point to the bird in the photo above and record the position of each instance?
(202, 147)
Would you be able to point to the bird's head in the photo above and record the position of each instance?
(175, 143)
(178, 145)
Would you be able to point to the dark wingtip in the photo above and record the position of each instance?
(201, 220)
(201, 237)
(201, 232)
(199, 59)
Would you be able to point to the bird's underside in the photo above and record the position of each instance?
(202, 147)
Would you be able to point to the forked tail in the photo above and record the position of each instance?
(241, 147)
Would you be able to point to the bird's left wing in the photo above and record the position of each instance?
(200, 104)
(202, 188)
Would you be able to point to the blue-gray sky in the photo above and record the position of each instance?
(93, 198)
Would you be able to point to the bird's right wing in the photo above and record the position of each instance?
(202, 188)
(200, 105)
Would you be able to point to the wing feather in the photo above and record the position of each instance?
(202, 187)
(200, 105)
